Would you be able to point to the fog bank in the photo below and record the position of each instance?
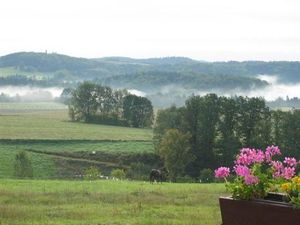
(32, 94)
(275, 89)
(271, 92)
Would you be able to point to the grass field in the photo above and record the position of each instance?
(55, 145)
(55, 125)
(108, 202)
(44, 165)
(21, 107)
(78, 146)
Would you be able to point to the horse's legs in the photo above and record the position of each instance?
(151, 179)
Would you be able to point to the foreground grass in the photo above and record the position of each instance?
(108, 202)
(56, 125)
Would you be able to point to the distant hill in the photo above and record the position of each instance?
(25, 68)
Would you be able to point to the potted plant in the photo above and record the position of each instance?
(254, 185)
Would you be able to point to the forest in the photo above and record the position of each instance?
(208, 131)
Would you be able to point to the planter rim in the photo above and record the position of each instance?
(257, 212)
(259, 201)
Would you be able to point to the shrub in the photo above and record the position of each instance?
(22, 166)
(118, 173)
(91, 173)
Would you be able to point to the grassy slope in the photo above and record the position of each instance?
(55, 125)
(108, 202)
(45, 127)
(55, 146)
(43, 165)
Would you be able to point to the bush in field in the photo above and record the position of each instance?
(91, 173)
(139, 171)
(22, 166)
(118, 173)
(206, 176)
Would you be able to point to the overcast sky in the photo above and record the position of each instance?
(210, 30)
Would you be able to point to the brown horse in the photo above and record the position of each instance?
(157, 175)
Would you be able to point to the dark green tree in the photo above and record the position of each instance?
(138, 111)
(176, 152)
(170, 118)
(277, 120)
(227, 143)
(22, 166)
(83, 103)
(202, 116)
(251, 112)
(290, 143)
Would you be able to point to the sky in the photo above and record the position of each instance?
(212, 30)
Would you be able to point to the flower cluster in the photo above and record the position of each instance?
(222, 172)
(256, 171)
(292, 189)
(286, 170)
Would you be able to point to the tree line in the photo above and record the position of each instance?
(209, 131)
(94, 103)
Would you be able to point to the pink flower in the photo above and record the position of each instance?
(288, 172)
(246, 157)
(260, 156)
(271, 151)
(277, 167)
(242, 170)
(251, 180)
(290, 161)
(222, 172)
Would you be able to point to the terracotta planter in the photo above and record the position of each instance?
(257, 212)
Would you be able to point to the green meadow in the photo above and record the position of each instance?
(55, 125)
(59, 148)
(40, 202)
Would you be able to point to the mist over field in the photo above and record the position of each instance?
(271, 92)
(31, 94)
(276, 89)
(167, 95)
